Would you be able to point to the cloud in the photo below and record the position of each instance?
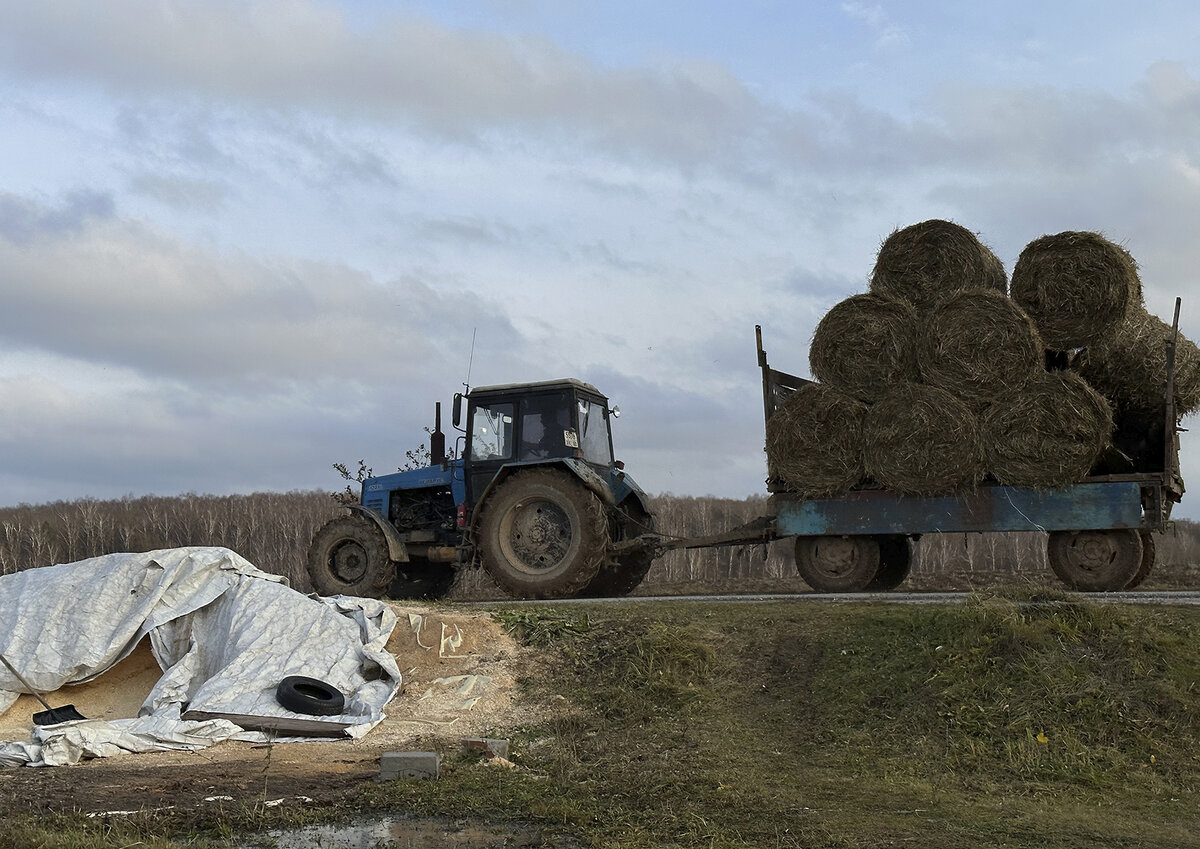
(887, 34)
(23, 221)
(118, 292)
(298, 55)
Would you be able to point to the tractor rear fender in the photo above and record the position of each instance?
(397, 550)
(612, 492)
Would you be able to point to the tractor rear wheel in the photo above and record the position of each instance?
(543, 534)
(621, 575)
(349, 556)
(1095, 561)
(837, 564)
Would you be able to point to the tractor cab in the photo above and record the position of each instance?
(531, 423)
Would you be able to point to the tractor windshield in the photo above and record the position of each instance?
(593, 432)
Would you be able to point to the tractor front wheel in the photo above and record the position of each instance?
(543, 534)
(349, 556)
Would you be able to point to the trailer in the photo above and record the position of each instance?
(1098, 531)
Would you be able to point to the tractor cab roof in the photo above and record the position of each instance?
(569, 383)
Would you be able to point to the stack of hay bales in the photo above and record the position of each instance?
(936, 379)
(1085, 294)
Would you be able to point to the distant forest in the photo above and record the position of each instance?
(272, 530)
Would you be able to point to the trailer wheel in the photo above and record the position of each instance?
(349, 556)
(620, 576)
(1149, 551)
(1095, 561)
(895, 562)
(838, 564)
(543, 534)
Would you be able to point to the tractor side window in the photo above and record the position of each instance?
(491, 432)
(593, 433)
(545, 422)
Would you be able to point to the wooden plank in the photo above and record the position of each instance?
(281, 724)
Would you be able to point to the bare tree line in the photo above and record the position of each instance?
(272, 530)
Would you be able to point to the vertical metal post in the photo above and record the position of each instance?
(1171, 428)
(768, 406)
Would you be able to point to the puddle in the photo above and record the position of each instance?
(395, 832)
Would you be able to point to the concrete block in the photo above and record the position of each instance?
(409, 765)
(489, 746)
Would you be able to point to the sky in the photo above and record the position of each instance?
(242, 241)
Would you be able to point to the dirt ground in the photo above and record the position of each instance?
(459, 673)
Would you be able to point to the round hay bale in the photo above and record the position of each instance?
(1129, 367)
(921, 440)
(1048, 434)
(864, 344)
(814, 441)
(978, 345)
(1076, 287)
(926, 261)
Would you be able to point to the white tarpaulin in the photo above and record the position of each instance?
(224, 633)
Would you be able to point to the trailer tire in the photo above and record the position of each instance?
(301, 694)
(895, 562)
(837, 564)
(1095, 561)
(1149, 552)
(543, 534)
(349, 556)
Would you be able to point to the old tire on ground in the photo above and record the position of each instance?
(837, 564)
(1095, 561)
(1149, 551)
(543, 534)
(349, 556)
(420, 579)
(895, 562)
(619, 576)
(302, 694)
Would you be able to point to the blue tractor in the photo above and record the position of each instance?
(534, 497)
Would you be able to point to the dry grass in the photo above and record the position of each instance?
(815, 441)
(1048, 434)
(921, 440)
(978, 345)
(864, 344)
(926, 261)
(1076, 286)
(1129, 367)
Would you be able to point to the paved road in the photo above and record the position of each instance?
(1165, 597)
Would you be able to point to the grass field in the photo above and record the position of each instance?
(1018, 719)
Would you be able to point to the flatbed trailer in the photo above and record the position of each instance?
(1098, 530)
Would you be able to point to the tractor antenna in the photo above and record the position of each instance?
(470, 360)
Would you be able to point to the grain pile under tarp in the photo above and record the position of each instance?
(864, 344)
(921, 440)
(1129, 366)
(1076, 286)
(978, 345)
(224, 633)
(815, 441)
(927, 261)
(1048, 434)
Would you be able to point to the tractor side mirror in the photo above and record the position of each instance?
(456, 415)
